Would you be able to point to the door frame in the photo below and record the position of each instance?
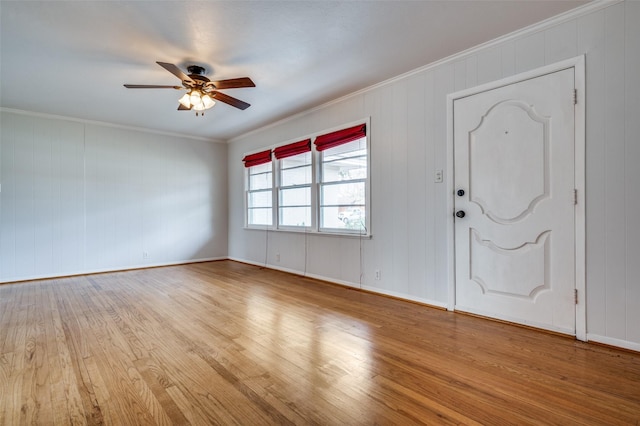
(578, 64)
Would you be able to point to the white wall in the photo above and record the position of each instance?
(408, 143)
(81, 197)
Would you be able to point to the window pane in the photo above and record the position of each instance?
(262, 168)
(260, 195)
(296, 170)
(260, 181)
(295, 197)
(351, 149)
(347, 218)
(345, 162)
(260, 216)
(297, 176)
(296, 160)
(260, 199)
(295, 216)
(343, 193)
(333, 172)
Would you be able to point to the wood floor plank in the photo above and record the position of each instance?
(99, 378)
(81, 347)
(108, 347)
(73, 410)
(8, 390)
(6, 311)
(229, 343)
(158, 383)
(36, 397)
(19, 371)
(56, 381)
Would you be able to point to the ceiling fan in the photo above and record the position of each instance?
(201, 91)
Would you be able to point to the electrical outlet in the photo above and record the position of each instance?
(277, 257)
(145, 255)
(378, 274)
(439, 176)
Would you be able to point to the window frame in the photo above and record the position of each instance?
(249, 191)
(315, 189)
(280, 187)
(322, 183)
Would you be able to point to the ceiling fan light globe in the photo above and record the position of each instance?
(207, 102)
(195, 98)
(185, 100)
(199, 107)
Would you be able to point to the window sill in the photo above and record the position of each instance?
(337, 233)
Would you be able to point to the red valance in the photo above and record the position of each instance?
(292, 149)
(340, 137)
(258, 158)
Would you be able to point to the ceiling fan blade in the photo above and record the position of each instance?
(183, 108)
(230, 100)
(234, 83)
(150, 86)
(175, 71)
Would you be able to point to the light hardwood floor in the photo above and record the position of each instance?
(228, 343)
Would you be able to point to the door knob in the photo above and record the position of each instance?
(460, 192)
(460, 214)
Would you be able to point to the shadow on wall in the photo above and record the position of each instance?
(80, 197)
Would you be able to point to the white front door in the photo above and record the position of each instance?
(514, 183)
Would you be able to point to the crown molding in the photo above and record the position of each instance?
(579, 11)
(106, 124)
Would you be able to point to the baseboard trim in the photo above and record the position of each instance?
(403, 296)
(610, 341)
(357, 286)
(107, 270)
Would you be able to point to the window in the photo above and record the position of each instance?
(259, 190)
(294, 184)
(319, 189)
(343, 179)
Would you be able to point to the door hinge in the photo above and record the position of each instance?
(575, 197)
(575, 96)
(575, 295)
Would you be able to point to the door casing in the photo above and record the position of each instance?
(578, 64)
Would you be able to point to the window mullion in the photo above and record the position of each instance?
(345, 158)
(275, 182)
(294, 167)
(315, 193)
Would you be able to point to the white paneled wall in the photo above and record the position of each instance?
(79, 197)
(408, 143)
(632, 174)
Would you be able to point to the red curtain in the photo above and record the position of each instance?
(340, 137)
(292, 149)
(258, 158)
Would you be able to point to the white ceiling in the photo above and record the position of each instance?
(71, 58)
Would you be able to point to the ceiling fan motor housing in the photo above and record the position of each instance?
(198, 80)
(195, 70)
